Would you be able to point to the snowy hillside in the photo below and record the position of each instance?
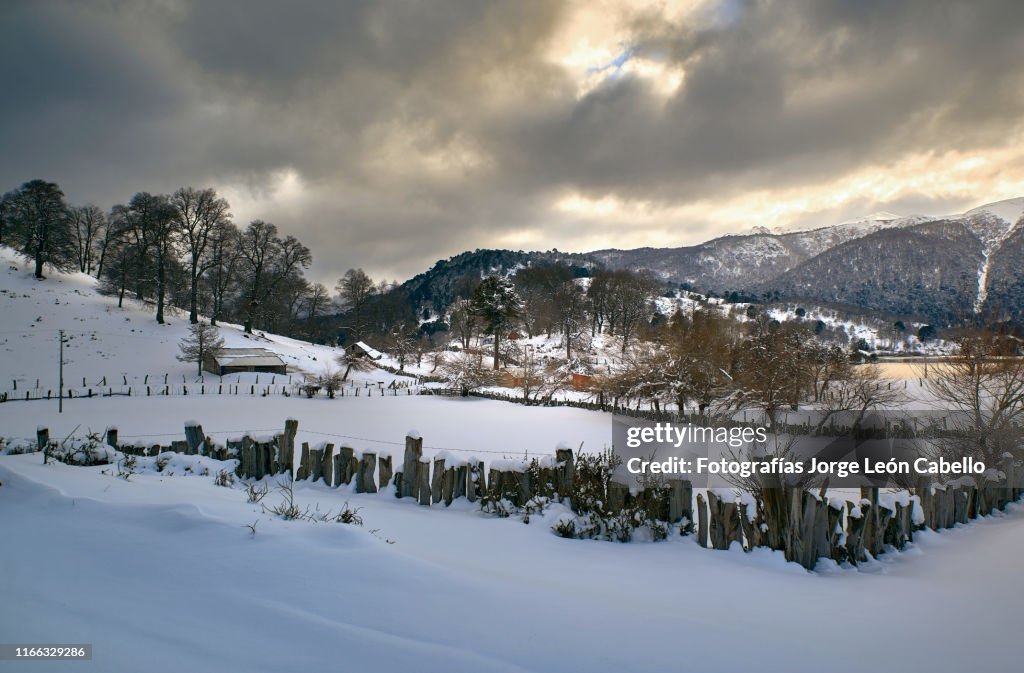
(106, 341)
(1009, 210)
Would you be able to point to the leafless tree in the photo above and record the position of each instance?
(984, 386)
(88, 226)
(355, 289)
(198, 213)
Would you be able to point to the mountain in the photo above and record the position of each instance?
(940, 269)
(928, 270)
(451, 278)
(744, 261)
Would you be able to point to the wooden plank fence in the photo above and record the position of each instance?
(806, 525)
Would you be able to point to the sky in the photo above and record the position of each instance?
(388, 135)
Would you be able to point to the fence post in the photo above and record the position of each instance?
(364, 477)
(384, 463)
(435, 485)
(413, 451)
(194, 436)
(423, 480)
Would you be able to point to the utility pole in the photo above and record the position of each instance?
(60, 395)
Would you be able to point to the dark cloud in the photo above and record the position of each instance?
(419, 129)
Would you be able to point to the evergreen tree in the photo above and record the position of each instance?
(201, 340)
(498, 305)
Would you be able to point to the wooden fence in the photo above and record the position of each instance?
(806, 525)
(160, 386)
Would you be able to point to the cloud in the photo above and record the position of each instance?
(388, 135)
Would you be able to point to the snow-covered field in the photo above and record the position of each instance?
(162, 572)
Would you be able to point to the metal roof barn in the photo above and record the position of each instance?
(232, 360)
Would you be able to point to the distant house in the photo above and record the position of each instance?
(361, 349)
(582, 382)
(234, 360)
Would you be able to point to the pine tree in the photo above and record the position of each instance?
(498, 305)
(201, 340)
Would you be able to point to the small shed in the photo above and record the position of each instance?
(362, 349)
(582, 382)
(234, 360)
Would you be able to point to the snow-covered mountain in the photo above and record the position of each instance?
(945, 269)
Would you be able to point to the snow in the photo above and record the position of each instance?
(1008, 210)
(104, 341)
(163, 569)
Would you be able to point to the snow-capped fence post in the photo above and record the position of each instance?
(43, 440)
(448, 485)
(435, 485)
(364, 477)
(680, 500)
(723, 521)
(326, 468)
(475, 485)
(316, 463)
(750, 527)
(413, 451)
(423, 480)
(245, 456)
(855, 522)
(302, 472)
(460, 489)
(286, 456)
(385, 470)
(112, 436)
(345, 465)
(194, 436)
(566, 471)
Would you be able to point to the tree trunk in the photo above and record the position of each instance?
(193, 315)
(160, 281)
(496, 340)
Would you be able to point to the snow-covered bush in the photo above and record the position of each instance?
(594, 520)
(88, 450)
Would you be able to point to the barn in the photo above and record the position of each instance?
(362, 349)
(234, 360)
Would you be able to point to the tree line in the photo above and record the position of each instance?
(179, 250)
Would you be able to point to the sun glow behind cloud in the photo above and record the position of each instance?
(595, 45)
(957, 176)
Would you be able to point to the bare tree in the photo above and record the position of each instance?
(466, 372)
(355, 289)
(463, 322)
(401, 344)
(984, 385)
(198, 213)
(149, 221)
(225, 253)
(856, 391)
(267, 261)
(570, 307)
(88, 226)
